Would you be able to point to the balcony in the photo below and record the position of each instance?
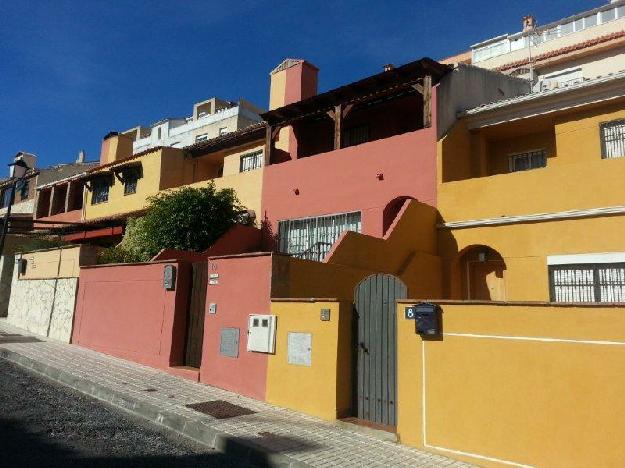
(582, 185)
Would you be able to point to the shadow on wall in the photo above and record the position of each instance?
(409, 249)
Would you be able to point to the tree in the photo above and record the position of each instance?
(184, 219)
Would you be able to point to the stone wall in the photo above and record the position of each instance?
(44, 307)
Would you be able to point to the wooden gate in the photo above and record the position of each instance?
(195, 318)
(375, 306)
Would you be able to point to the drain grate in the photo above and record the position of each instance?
(220, 409)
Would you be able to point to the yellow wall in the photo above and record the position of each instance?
(540, 385)
(148, 185)
(409, 251)
(63, 262)
(575, 177)
(232, 160)
(169, 168)
(324, 388)
(525, 247)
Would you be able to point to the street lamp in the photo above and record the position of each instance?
(17, 171)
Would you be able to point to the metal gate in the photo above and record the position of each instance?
(195, 319)
(375, 304)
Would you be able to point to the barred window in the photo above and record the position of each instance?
(604, 282)
(613, 139)
(312, 238)
(251, 161)
(99, 191)
(528, 160)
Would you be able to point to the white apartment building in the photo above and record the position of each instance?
(584, 46)
(210, 119)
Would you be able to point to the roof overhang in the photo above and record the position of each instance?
(587, 93)
(396, 79)
(244, 136)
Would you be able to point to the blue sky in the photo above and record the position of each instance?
(71, 71)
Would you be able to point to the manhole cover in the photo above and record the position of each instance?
(220, 409)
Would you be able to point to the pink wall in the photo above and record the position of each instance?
(244, 288)
(123, 310)
(346, 180)
(301, 82)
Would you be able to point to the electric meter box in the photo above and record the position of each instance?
(261, 333)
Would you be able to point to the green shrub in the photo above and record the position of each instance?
(185, 219)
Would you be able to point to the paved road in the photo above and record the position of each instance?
(43, 424)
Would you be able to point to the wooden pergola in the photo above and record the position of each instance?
(419, 76)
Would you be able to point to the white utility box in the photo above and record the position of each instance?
(261, 333)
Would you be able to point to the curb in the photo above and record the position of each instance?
(195, 429)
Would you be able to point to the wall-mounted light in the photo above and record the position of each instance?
(380, 176)
(296, 191)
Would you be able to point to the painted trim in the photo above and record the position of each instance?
(539, 339)
(570, 214)
(600, 257)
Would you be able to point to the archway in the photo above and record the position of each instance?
(391, 210)
(483, 272)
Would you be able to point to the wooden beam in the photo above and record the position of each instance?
(268, 143)
(418, 88)
(427, 101)
(52, 194)
(338, 120)
(347, 108)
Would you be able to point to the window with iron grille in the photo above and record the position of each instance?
(312, 238)
(613, 139)
(251, 161)
(601, 282)
(99, 191)
(528, 160)
(131, 177)
(355, 136)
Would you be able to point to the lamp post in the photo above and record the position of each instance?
(17, 171)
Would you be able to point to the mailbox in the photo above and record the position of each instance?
(21, 266)
(427, 319)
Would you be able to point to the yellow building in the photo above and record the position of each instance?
(531, 196)
(122, 184)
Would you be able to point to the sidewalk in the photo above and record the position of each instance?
(269, 436)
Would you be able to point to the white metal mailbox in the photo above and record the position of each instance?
(261, 333)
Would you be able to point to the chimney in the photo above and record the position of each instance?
(115, 146)
(81, 157)
(389, 67)
(529, 23)
(29, 158)
(291, 81)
